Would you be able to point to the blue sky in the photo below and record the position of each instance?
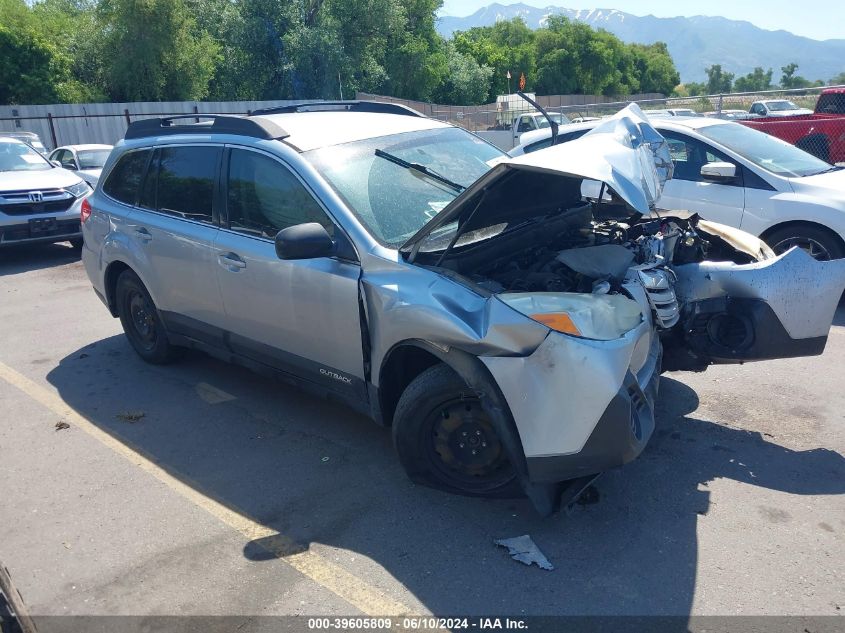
(819, 20)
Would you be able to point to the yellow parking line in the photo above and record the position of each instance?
(336, 579)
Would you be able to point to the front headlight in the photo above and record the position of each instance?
(599, 317)
(79, 189)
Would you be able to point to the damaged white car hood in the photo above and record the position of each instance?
(625, 152)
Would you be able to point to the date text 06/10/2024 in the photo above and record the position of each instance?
(421, 623)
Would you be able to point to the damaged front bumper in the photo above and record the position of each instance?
(581, 406)
(776, 308)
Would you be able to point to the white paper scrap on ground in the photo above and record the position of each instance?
(523, 549)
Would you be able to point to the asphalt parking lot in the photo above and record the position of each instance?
(201, 488)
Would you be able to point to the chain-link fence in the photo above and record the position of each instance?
(501, 114)
(788, 115)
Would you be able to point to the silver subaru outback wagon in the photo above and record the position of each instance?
(510, 328)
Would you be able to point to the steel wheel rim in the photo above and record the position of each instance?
(807, 244)
(142, 319)
(464, 447)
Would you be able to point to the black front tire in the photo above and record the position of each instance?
(446, 440)
(817, 241)
(142, 322)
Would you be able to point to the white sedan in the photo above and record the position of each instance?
(732, 174)
(777, 108)
(86, 161)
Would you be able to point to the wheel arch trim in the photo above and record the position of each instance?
(790, 223)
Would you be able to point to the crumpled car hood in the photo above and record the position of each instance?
(625, 152)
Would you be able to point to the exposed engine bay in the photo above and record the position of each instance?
(573, 252)
(533, 233)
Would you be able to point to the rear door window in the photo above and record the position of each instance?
(126, 176)
(185, 178)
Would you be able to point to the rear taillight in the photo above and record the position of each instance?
(85, 210)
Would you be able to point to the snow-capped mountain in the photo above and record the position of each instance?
(695, 42)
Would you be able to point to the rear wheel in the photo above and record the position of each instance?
(446, 440)
(820, 243)
(141, 320)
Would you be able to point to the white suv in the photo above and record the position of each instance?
(39, 202)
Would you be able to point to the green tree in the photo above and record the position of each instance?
(415, 59)
(838, 80)
(654, 67)
(40, 52)
(573, 58)
(466, 81)
(73, 28)
(689, 89)
(791, 80)
(223, 21)
(754, 81)
(30, 70)
(718, 81)
(318, 48)
(153, 51)
(507, 46)
(256, 63)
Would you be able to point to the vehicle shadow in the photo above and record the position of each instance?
(325, 477)
(24, 257)
(839, 315)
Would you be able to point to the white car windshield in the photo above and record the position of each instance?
(21, 157)
(393, 201)
(767, 152)
(92, 158)
(560, 119)
(781, 106)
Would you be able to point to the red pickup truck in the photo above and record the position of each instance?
(821, 133)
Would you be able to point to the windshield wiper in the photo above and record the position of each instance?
(828, 170)
(420, 168)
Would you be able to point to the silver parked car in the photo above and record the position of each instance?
(30, 138)
(86, 161)
(39, 202)
(510, 331)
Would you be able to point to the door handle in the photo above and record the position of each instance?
(143, 234)
(231, 262)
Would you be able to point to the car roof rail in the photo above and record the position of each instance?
(378, 107)
(217, 124)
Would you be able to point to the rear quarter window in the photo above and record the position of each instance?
(126, 176)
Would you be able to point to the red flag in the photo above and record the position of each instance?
(522, 81)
